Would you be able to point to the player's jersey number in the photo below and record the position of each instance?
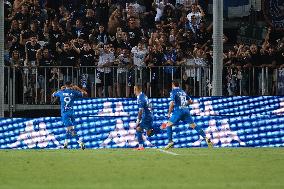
(183, 101)
(67, 101)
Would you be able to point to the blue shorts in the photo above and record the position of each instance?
(146, 122)
(181, 115)
(68, 119)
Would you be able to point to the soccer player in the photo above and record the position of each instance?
(180, 111)
(67, 94)
(145, 117)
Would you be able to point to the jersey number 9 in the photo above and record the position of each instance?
(67, 100)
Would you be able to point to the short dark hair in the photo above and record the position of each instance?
(175, 83)
(68, 83)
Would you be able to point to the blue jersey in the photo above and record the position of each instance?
(143, 103)
(180, 99)
(67, 98)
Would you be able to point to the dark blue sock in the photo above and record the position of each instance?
(200, 131)
(67, 135)
(157, 130)
(139, 137)
(170, 133)
(74, 134)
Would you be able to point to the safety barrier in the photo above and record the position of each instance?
(34, 85)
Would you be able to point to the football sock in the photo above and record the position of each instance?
(139, 137)
(170, 133)
(68, 135)
(75, 135)
(66, 142)
(200, 131)
(157, 129)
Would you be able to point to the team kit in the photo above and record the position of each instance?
(179, 110)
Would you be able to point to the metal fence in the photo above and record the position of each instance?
(34, 85)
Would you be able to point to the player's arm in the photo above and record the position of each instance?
(140, 111)
(75, 87)
(189, 100)
(56, 93)
(172, 104)
(171, 107)
(139, 117)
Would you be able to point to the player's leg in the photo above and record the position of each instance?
(75, 134)
(169, 125)
(66, 122)
(170, 135)
(151, 128)
(153, 131)
(69, 122)
(77, 137)
(188, 119)
(139, 132)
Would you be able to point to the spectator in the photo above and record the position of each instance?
(115, 21)
(168, 16)
(192, 25)
(139, 53)
(124, 64)
(170, 61)
(155, 60)
(23, 14)
(197, 12)
(90, 19)
(16, 45)
(134, 33)
(79, 31)
(16, 62)
(87, 63)
(141, 36)
(106, 59)
(102, 11)
(102, 36)
(15, 30)
(44, 62)
(68, 59)
(31, 48)
(54, 35)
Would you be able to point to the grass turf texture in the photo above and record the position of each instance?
(238, 168)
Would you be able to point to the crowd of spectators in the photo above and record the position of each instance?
(128, 41)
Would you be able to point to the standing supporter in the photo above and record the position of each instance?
(134, 33)
(68, 59)
(87, 70)
(124, 61)
(106, 60)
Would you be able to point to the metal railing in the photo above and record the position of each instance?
(254, 81)
(34, 85)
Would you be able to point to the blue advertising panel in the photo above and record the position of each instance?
(110, 123)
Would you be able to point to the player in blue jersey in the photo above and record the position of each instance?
(67, 94)
(180, 112)
(145, 117)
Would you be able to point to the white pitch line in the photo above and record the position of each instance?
(168, 152)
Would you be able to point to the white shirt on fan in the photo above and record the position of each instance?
(104, 59)
(139, 56)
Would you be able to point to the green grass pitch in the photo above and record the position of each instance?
(222, 168)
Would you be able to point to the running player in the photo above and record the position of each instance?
(180, 112)
(145, 117)
(67, 94)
